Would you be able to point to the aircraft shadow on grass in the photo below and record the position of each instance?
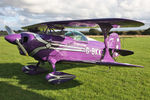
(19, 94)
(13, 70)
(64, 65)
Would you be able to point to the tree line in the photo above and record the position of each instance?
(97, 32)
(3, 33)
(137, 32)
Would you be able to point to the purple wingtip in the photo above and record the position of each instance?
(118, 64)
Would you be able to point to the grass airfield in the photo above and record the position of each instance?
(92, 82)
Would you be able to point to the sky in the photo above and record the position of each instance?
(18, 13)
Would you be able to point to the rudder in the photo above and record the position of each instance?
(114, 43)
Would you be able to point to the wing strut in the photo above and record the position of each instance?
(106, 27)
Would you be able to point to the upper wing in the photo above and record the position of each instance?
(88, 23)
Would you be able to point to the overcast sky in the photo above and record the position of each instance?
(17, 13)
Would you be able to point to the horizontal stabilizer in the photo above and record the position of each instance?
(123, 52)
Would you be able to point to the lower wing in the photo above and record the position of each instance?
(106, 63)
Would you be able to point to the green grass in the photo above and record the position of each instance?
(92, 82)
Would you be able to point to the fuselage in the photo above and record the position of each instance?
(73, 50)
(62, 48)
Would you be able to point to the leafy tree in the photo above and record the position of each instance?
(94, 32)
(146, 32)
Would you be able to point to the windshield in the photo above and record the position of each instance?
(76, 35)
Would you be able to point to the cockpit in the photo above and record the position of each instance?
(76, 35)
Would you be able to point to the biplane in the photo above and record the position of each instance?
(73, 46)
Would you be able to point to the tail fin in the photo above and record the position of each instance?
(115, 46)
(114, 43)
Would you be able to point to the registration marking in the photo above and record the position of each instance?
(93, 51)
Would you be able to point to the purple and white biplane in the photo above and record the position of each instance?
(72, 46)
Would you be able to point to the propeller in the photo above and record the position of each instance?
(21, 47)
(9, 30)
(11, 35)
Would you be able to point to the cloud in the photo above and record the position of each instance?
(27, 12)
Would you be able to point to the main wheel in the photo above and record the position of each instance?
(59, 77)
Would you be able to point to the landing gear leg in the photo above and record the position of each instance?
(33, 69)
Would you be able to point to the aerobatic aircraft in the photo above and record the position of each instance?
(53, 46)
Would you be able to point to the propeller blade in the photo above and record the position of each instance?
(22, 48)
(9, 30)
